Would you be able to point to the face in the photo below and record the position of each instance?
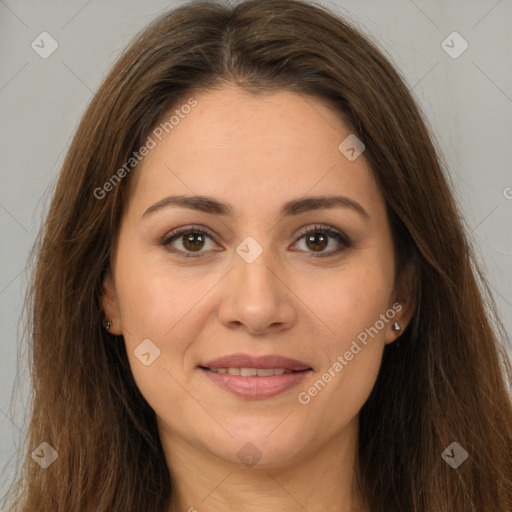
(267, 278)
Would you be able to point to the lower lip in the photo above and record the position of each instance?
(256, 387)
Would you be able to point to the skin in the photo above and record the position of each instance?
(255, 153)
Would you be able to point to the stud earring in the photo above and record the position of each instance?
(396, 327)
(109, 324)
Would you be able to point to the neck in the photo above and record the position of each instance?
(313, 481)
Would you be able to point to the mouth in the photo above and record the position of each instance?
(253, 372)
(256, 382)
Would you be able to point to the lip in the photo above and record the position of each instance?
(256, 388)
(247, 361)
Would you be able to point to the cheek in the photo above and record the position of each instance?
(349, 299)
(353, 304)
(160, 303)
(156, 298)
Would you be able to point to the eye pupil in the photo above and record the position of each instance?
(194, 239)
(314, 238)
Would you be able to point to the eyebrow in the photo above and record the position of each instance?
(210, 205)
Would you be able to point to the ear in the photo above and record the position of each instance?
(402, 303)
(110, 304)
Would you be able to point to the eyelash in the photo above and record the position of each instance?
(180, 232)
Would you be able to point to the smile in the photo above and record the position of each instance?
(255, 383)
(252, 372)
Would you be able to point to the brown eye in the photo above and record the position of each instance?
(317, 239)
(191, 240)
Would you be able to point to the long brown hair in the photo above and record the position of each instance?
(447, 381)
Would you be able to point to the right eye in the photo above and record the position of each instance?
(191, 239)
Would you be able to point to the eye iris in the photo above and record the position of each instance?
(194, 239)
(314, 238)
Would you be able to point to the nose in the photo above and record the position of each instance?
(257, 298)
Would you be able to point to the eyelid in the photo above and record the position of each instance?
(326, 228)
(195, 228)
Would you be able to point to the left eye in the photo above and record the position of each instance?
(193, 239)
(317, 237)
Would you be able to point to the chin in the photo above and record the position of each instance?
(260, 447)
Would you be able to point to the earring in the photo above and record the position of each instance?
(396, 327)
(109, 324)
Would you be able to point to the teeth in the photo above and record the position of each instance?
(265, 372)
(252, 372)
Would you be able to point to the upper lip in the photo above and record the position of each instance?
(247, 361)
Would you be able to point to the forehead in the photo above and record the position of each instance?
(235, 144)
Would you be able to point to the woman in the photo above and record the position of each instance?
(254, 291)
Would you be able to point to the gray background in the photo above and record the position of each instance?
(467, 101)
